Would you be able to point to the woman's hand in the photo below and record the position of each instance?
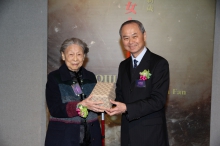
(91, 105)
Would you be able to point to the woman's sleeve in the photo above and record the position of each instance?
(53, 98)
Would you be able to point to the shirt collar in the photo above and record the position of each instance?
(139, 57)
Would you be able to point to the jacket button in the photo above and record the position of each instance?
(92, 124)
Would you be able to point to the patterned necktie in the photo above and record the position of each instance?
(135, 63)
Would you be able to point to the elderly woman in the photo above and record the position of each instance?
(73, 120)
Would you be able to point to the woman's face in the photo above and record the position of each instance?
(73, 56)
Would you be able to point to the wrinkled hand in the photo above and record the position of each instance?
(118, 109)
(91, 105)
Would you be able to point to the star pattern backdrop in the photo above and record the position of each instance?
(180, 31)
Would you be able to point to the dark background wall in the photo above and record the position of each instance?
(23, 71)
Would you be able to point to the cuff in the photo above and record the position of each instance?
(126, 112)
(127, 115)
(71, 109)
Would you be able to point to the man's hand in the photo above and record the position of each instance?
(118, 109)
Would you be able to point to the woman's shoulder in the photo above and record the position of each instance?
(54, 75)
(54, 72)
(88, 75)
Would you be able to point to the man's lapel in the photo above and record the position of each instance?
(128, 68)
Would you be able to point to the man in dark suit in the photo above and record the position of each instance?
(141, 91)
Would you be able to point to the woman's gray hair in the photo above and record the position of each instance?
(76, 41)
(140, 25)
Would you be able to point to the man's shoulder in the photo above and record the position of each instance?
(127, 60)
(155, 57)
(124, 63)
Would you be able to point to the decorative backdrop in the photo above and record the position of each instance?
(180, 31)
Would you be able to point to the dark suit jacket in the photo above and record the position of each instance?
(144, 123)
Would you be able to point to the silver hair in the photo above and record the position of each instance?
(76, 41)
(140, 25)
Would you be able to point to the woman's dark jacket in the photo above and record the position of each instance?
(64, 122)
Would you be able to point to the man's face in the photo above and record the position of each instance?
(133, 39)
(73, 56)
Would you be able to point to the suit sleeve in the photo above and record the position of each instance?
(118, 90)
(158, 95)
(53, 98)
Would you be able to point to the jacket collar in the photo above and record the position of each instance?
(65, 73)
